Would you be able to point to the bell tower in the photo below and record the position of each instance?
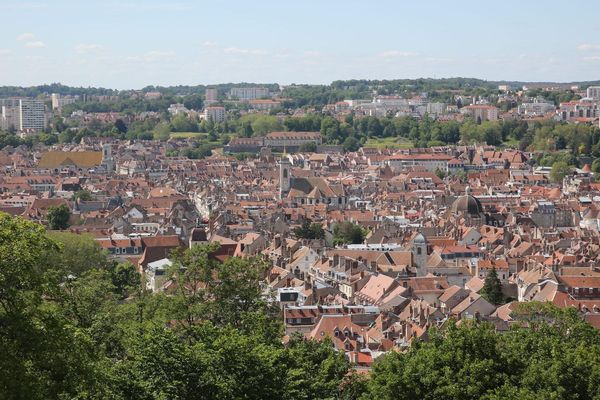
(107, 158)
(285, 178)
(419, 250)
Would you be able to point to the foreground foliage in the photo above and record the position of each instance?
(553, 355)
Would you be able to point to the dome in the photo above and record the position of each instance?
(419, 239)
(467, 204)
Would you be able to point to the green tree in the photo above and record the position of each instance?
(492, 288)
(310, 231)
(79, 253)
(348, 233)
(560, 169)
(58, 217)
(42, 357)
(125, 278)
(351, 144)
(182, 123)
(463, 363)
(83, 195)
(162, 131)
(263, 124)
(120, 126)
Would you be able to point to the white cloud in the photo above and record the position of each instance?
(4, 52)
(83, 48)
(396, 53)
(237, 50)
(209, 43)
(36, 44)
(588, 47)
(25, 36)
(592, 58)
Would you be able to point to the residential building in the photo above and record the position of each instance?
(32, 115)
(10, 117)
(481, 112)
(291, 140)
(265, 104)
(248, 93)
(58, 101)
(593, 92)
(24, 115)
(215, 113)
(211, 96)
(177, 108)
(578, 110)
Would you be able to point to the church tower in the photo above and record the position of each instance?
(285, 176)
(107, 158)
(419, 250)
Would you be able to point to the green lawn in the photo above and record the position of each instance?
(389, 143)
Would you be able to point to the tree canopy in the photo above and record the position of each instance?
(492, 288)
(58, 217)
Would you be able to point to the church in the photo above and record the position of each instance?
(308, 191)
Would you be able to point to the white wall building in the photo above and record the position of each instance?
(215, 114)
(593, 92)
(249, 93)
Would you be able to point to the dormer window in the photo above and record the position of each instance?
(336, 333)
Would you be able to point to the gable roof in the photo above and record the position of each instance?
(81, 159)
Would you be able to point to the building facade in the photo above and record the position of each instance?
(215, 114)
(249, 93)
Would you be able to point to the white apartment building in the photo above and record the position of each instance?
(249, 93)
(59, 101)
(177, 108)
(9, 117)
(215, 113)
(436, 108)
(25, 115)
(578, 109)
(32, 115)
(535, 108)
(593, 92)
(481, 112)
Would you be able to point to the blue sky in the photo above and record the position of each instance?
(133, 43)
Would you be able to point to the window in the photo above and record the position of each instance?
(419, 251)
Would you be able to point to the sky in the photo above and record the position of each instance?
(129, 44)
